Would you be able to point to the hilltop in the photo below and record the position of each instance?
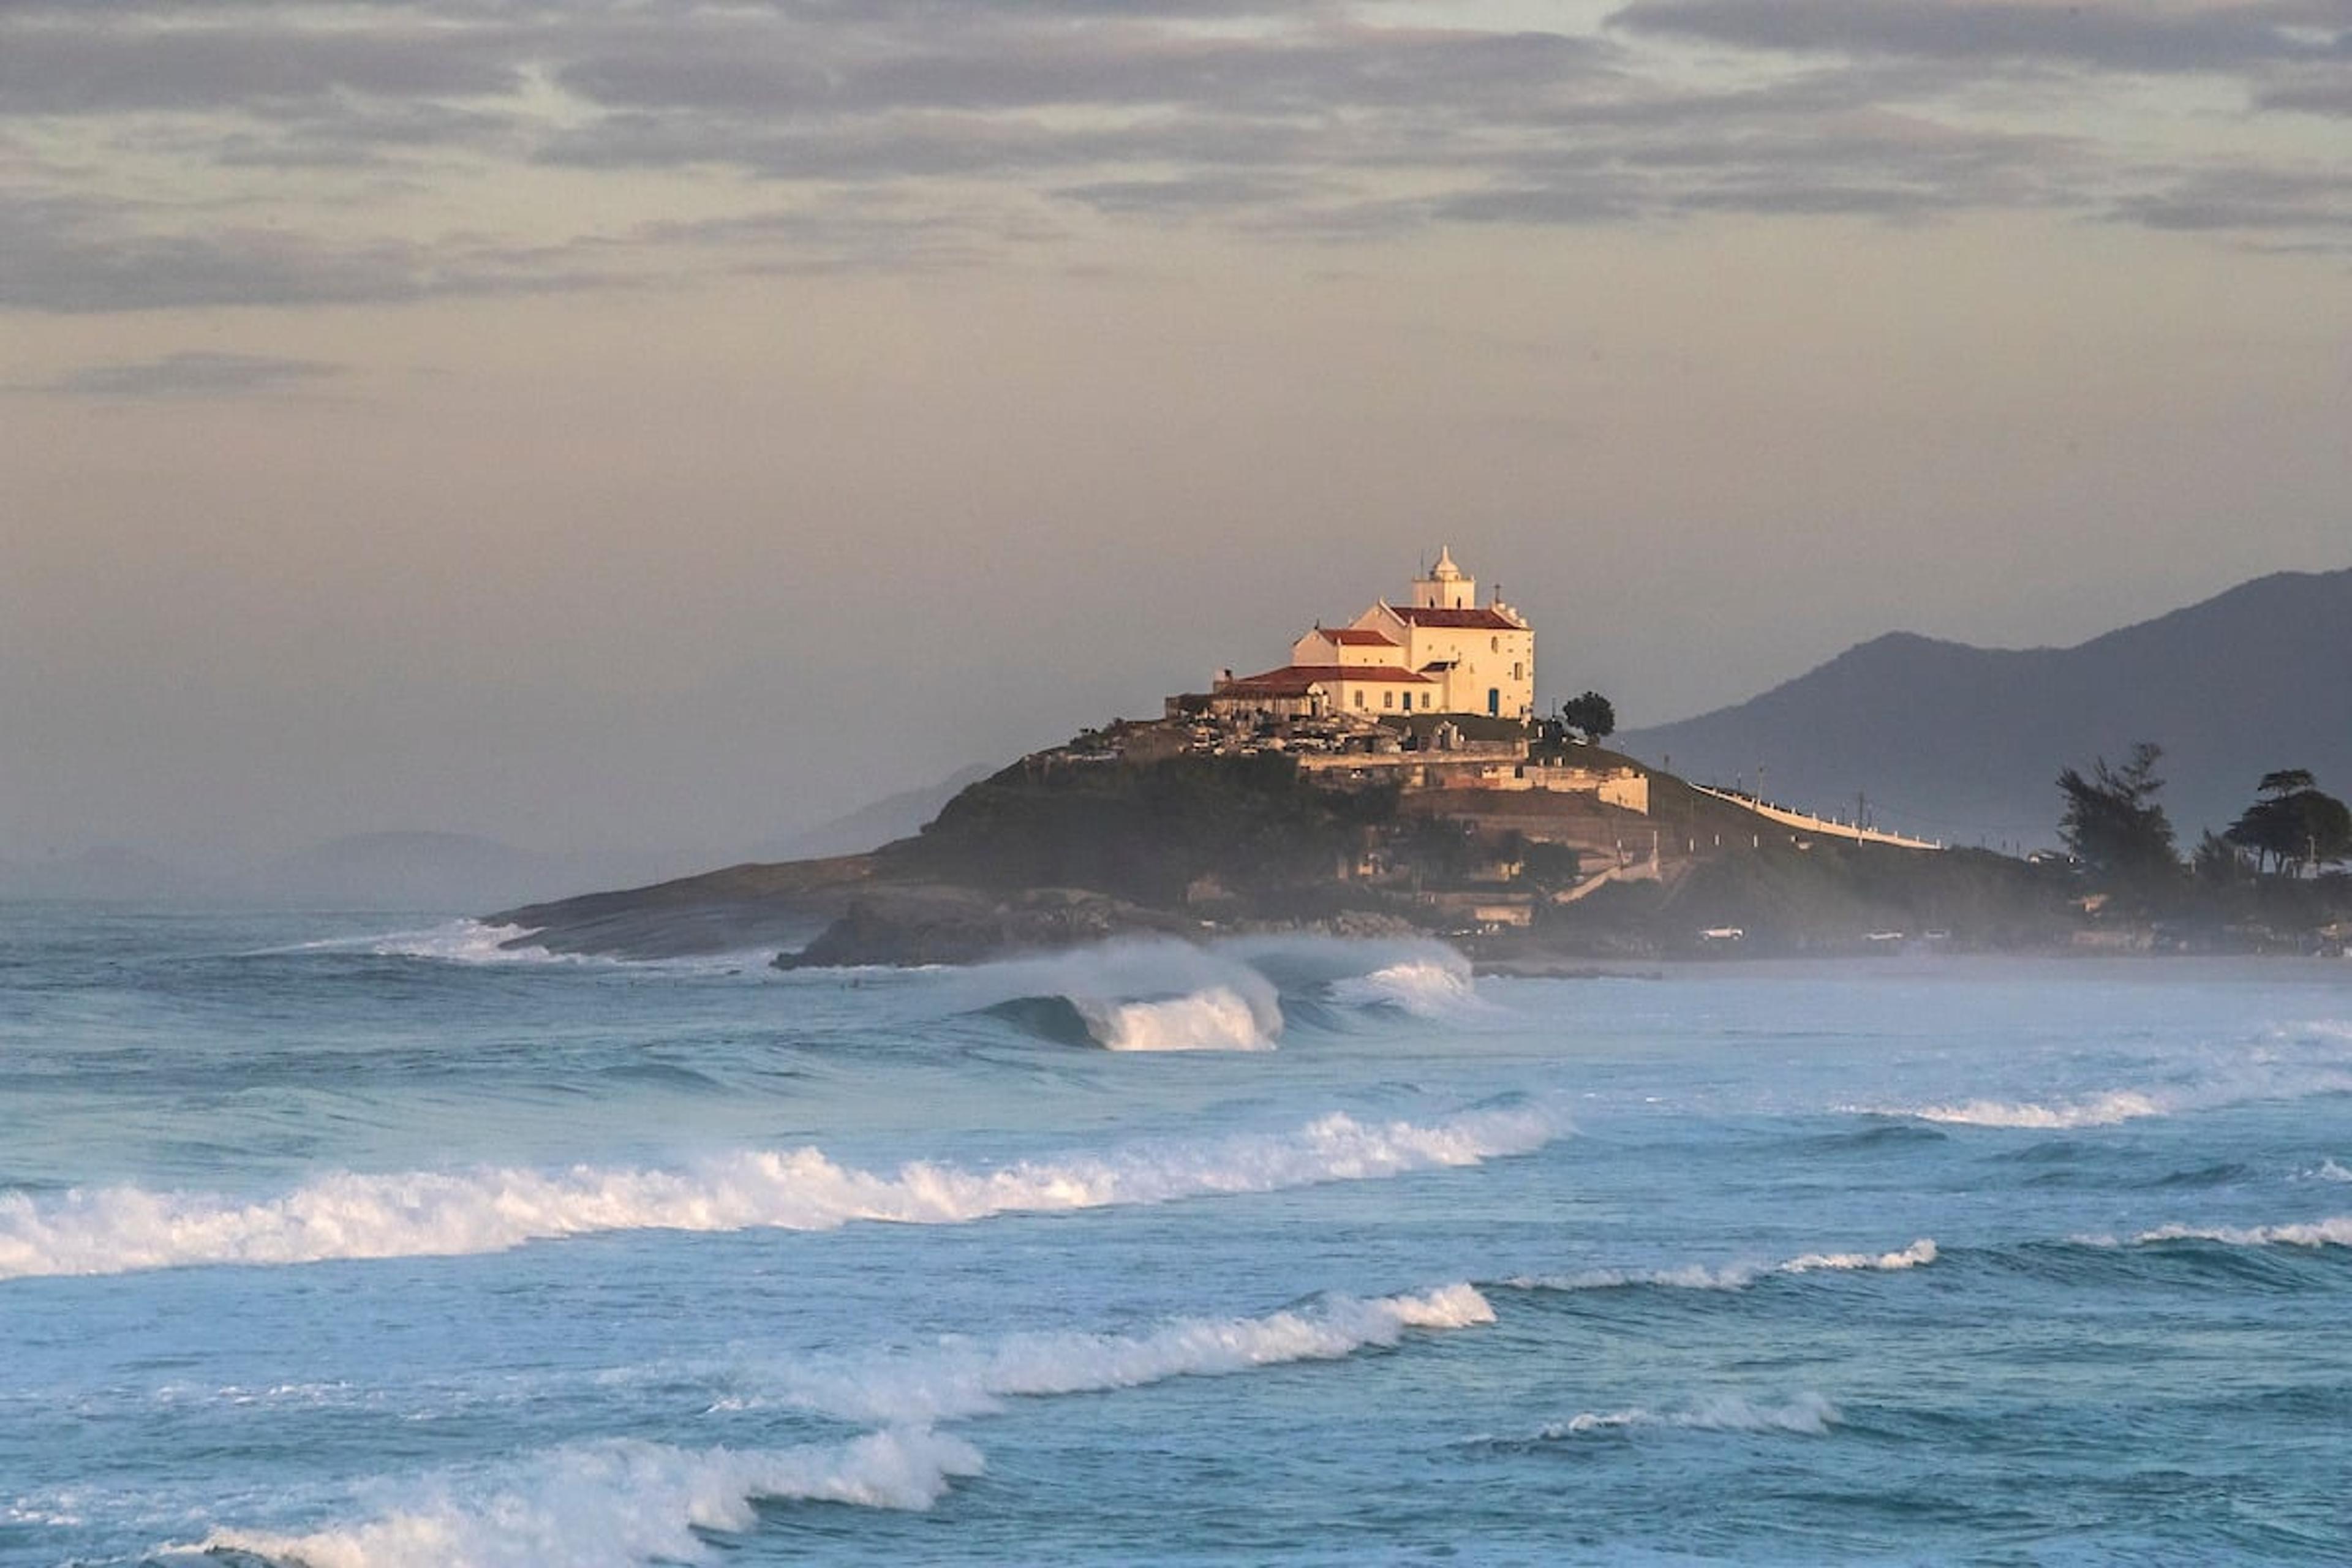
(1188, 828)
(1394, 776)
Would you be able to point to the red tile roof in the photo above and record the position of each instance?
(1293, 679)
(1357, 636)
(1484, 620)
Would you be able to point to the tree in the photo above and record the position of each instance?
(2219, 863)
(2113, 824)
(1589, 714)
(1549, 865)
(2293, 825)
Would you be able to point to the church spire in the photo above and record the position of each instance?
(1446, 587)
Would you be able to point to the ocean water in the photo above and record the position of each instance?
(348, 1243)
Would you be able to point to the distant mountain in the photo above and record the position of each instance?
(1963, 743)
(871, 827)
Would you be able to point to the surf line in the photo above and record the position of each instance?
(624, 1501)
(348, 1215)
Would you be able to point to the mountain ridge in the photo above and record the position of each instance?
(1963, 743)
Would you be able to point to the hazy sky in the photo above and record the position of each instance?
(648, 423)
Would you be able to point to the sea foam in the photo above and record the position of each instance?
(2095, 1110)
(2216, 1086)
(621, 1503)
(1139, 994)
(959, 1378)
(1730, 1277)
(1808, 1414)
(1427, 987)
(2335, 1231)
(347, 1214)
(1216, 1019)
(613, 1504)
(479, 943)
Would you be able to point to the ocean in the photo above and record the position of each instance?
(355, 1242)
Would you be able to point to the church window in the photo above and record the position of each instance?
(1388, 698)
(1359, 700)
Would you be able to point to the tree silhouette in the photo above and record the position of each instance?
(2293, 825)
(2113, 824)
(1592, 714)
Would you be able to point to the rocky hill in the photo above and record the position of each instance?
(1069, 847)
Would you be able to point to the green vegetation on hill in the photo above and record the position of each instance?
(1124, 833)
(1145, 831)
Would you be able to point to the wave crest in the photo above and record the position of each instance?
(2335, 1231)
(346, 1214)
(1808, 1414)
(617, 1503)
(1216, 1019)
(2096, 1110)
(1730, 1277)
(959, 1378)
(621, 1503)
(1430, 985)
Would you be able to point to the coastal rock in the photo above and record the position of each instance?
(908, 926)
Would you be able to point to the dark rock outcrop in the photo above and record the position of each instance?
(920, 925)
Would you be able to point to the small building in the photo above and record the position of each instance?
(1444, 653)
(1320, 691)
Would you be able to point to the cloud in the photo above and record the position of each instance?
(2136, 36)
(2251, 200)
(108, 65)
(2310, 93)
(842, 234)
(1184, 196)
(924, 133)
(196, 372)
(72, 254)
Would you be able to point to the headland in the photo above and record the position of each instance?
(1394, 778)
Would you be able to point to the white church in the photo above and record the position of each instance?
(1444, 653)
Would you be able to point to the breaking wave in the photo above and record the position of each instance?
(2238, 1083)
(1143, 995)
(473, 941)
(115, 1230)
(1732, 1276)
(1427, 987)
(961, 1378)
(2335, 1231)
(2098, 1111)
(614, 1504)
(1808, 1414)
(1131, 995)
(621, 1503)
(1217, 1019)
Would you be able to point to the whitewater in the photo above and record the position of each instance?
(368, 1242)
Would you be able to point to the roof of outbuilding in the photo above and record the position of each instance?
(1294, 679)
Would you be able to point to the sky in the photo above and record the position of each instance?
(649, 424)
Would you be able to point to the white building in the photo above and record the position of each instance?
(1444, 653)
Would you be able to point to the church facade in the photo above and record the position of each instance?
(1443, 653)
